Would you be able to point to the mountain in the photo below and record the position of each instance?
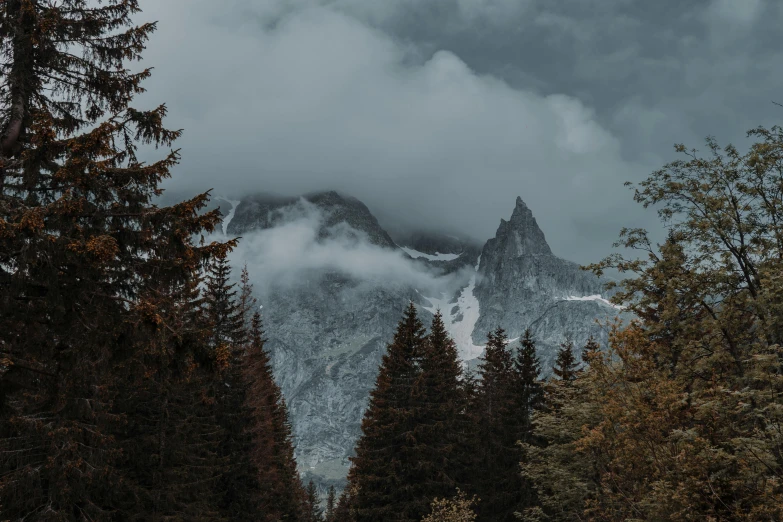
(328, 327)
(522, 284)
(262, 211)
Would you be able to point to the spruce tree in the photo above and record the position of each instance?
(272, 451)
(223, 311)
(330, 505)
(529, 388)
(313, 511)
(438, 400)
(529, 397)
(497, 480)
(345, 511)
(382, 471)
(566, 366)
(226, 312)
(171, 432)
(95, 277)
(471, 446)
(562, 477)
(246, 302)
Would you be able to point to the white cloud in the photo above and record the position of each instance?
(297, 250)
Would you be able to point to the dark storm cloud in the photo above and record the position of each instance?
(440, 112)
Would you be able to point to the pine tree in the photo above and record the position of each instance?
(497, 479)
(272, 451)
(470, 448)
(226, 314)
(223, 311)
(566, 367)
(529, 388)
(439, 408)
(382, 469)
(345, 511)
(330, 505)
(313, 511)
(94, 276)
(246, 302)
(562, 477)
(529, 397)
(172, 432)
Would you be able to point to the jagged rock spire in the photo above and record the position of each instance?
(521, 279)
(521, 235)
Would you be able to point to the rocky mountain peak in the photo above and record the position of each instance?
(521, 278)
(521, 235)
(262, 211)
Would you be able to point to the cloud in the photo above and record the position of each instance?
(299, 248)
(297, 99)
(439, 113)
(744, 13)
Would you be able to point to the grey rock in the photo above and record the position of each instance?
(576, 321)
(327, 338)
(522, 284)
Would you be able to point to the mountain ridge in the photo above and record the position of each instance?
(327, 335)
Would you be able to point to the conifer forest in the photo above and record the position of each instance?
(137, 382)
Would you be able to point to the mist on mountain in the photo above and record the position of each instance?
(301, 245)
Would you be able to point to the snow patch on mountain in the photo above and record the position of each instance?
(230, 215)
(415, 254)
(596, 297)
(460, 318)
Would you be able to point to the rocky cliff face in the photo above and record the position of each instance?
(327, 338)
(522, 284)
(328, 331)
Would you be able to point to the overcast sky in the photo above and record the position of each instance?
(441, 112)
